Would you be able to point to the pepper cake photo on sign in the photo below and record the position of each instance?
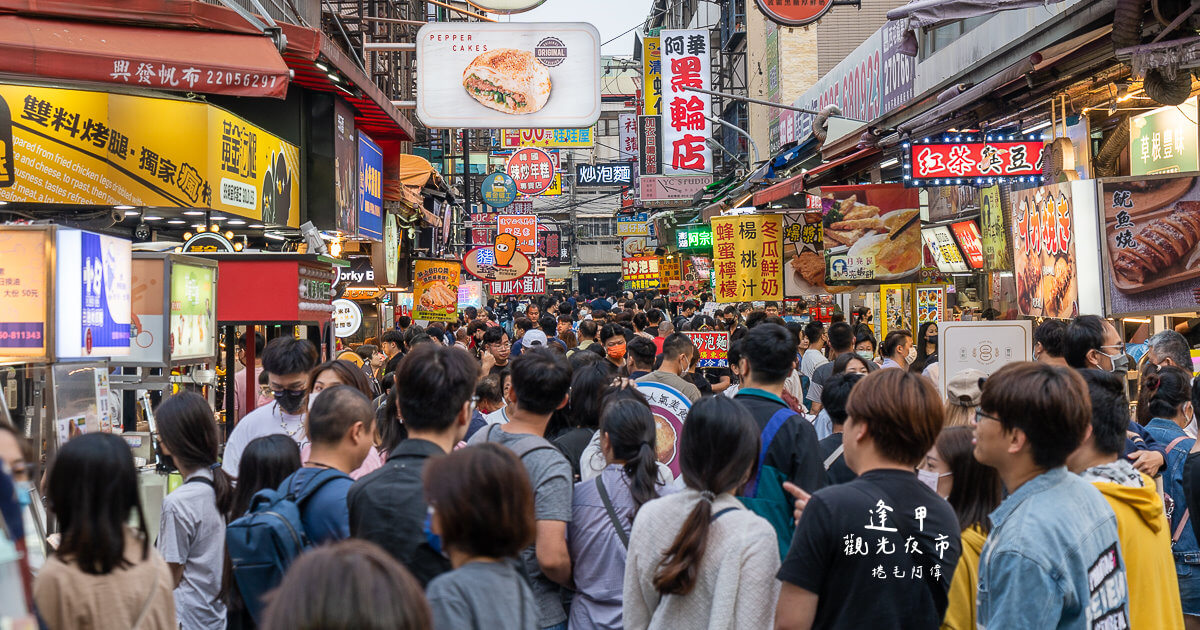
(512, 75)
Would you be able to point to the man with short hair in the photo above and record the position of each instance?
(768, 353)
(341, 425)
(541, 381)
(287, 362)
(771, 309)
(402, 323)
(1142, 525)
(678, 353)
(1053, 557)
(587, 335)
(392, 344)
(841, 341)
(814, 356)
(1169, 348)
(521, 325)
(549, 326)
(496, 352)
(1049, 343)
(640, 353)
(387, 506)
(654, 317)
(834, 397)
(878, 551)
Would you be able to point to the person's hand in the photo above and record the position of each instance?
(801, 497)
(488, 360)
(1147, 461)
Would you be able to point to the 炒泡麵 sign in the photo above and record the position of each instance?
(639, 273)
(712, 346)
(605, 174)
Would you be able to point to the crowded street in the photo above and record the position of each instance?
(563, 315)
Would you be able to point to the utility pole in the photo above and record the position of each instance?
(573, 224)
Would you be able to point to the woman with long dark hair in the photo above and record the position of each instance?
(973, 490)
(603, 509)
(103, 573)
(589, 384)
(927, 347)
(191, 532)
(684, 545)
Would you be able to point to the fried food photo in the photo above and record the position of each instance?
(440, 295)
(508, 80)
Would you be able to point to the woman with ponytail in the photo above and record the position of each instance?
(698, 558)
(191, 534)
(603, 508)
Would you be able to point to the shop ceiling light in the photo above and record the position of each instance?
(122, 207)
(216, 217)
(890, 163)
(1034, 128)
(129, 213)
(176, 222)
(256, 226)
(274, 237)
(236, 222)
(152, 218)
(193, 213)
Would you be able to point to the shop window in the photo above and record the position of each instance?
(935, 39)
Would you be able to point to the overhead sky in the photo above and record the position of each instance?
(610, 17)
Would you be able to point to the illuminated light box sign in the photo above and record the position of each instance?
(93, 283)
(25, 292)
(973, 160)
(969, 241)
(694, 237)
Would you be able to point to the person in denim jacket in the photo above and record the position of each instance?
(1052, 559)
(1167, 396)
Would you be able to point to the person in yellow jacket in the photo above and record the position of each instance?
(973, 490)
(1142, 526)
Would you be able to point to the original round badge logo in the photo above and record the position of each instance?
(550, 51)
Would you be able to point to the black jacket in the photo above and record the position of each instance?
(387, 507)
(795, 451)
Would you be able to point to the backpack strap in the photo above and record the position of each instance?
(833, 457)
(320, 479)
(201, 480)
(768, 434)
(722, 513)
(1177, 441)
(612, 513)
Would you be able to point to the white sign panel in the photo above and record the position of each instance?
(507, 6)
(983, 346)
(685, 63)
(347, 318)
(508, 75)
(629, 136)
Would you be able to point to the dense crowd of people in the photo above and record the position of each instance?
(505, 470)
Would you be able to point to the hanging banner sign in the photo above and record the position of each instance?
(488, 263)
(1164, 140)
(973, 160)
(435, 290)
(606, 174)
(747, 255)
(24, 282)
(640, 273)
(713, 348)
(629, 136)
(529, 284)
(994, 233)
(557, 138)
(652, 77)
(633, 225)
(531, 169)
(370, 188)
(1044, 252)
(803, 254)
(694, 237)
(945, 253)
(967, 235)
(522, 230)
(650, 141)
(498, 190)
(686, 61)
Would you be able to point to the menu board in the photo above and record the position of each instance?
(193, 311)
(931, 304)
(967, 235)
(23, 291)
(435, 290)
(93, 287)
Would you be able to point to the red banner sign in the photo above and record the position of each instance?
(527, 285)
(967, 235)
(794, 13)
(973, 160)
(532, 169)
(523, 227)
(713, 348)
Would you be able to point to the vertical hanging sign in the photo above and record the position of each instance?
(746, 254)
(685, 64)
(652, 76)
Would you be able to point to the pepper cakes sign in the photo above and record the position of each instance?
(508, 75)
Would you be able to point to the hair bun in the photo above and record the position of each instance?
(1151, 382)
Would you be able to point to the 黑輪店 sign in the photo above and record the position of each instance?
(685, 64)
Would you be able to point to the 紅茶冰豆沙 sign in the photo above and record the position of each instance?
(972, 160)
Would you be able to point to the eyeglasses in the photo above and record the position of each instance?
(980, 413)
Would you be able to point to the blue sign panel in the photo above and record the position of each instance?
(370, 188)
(498, 190)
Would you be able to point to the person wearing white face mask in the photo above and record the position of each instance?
(898, 350)
(973, 490)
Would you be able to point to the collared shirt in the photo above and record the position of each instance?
(888, 362)
(794, 451)
(388, 508)
(192, 533)
(1040, 570)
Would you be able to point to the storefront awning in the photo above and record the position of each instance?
(796, 185)
(140, 57)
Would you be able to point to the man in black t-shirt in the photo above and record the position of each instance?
(879, 551)
(833, 399)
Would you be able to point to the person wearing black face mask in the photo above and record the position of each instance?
(287, 361)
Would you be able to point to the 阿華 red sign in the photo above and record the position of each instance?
(973, 160)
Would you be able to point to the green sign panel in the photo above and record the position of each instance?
(694, 237)
(1164, 140)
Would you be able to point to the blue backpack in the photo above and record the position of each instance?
(764, 494)
(264, 542)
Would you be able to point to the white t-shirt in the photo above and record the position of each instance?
(498, 416)
(266, 420)
(812, 360)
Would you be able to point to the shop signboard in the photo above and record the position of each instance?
(345, 169)
(531, 169)
(803, 255)
(636, 246)
(747, 255)
(193, 311)
(670, 190)
(555, 187)
(792, 13)
(640, 273)
(712, 346)
(512, 75)
(967, 235)
(966, 159)
(358, 273)
(347, 318)
(628, 135)
(668, 269)
(1044, 252)
(952, 202)
(1151, 231)
(604, 174)
(470, 293)
(685, 63)
(94, 280)
(650, 142)
(435, 290)
(994, 229)
(940, 244)
(633, 225)
(984, 346)
(697, 237)
(553, 138)
(1165, 140)
(522, 228)
(483, 228)
(498, 190)
(496, 262)
(370, 188)
(897, 69)
(871, 233)
(529, 284)
(25, 281)
(651, 78)
(931, 304)
(93, 148)
(391, 247)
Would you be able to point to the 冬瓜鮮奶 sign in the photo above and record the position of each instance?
(94, 148)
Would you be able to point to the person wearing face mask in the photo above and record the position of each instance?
(973, 490)
(865, 346)
(612, 339)
(1170, 348)
(678, 352)
(897, 350)
(288, 363)
(13, 459)
(1142, 525)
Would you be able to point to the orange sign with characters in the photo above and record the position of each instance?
(522, 228)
